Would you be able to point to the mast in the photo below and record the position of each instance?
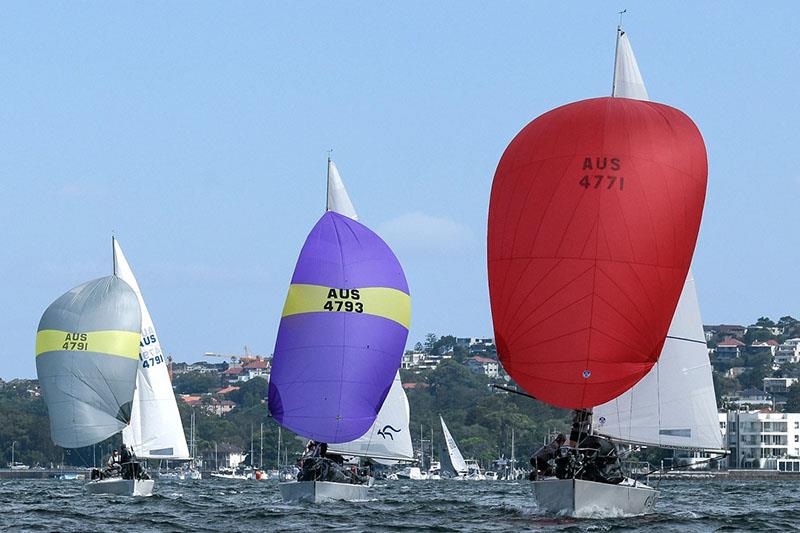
(616, 53)
(261, 446)
(328, 183)
(431, 444)
(113, 256)
(279, 448)
(421, 448)
(513, 460)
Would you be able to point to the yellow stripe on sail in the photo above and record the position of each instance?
(388, 303)
(121, 343)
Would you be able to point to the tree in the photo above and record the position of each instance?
(765, 322)
(757, 334)
(793, 401)
(250, 393)
(430, 341)
(754, 377)
(195, 382)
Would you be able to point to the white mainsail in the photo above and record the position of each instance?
(674, 405)
(155, 430)
(389, 439)
(456, 458)
(628, 82)
(338, 199)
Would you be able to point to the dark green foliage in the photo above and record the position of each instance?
(793, 402)
(757, 334)
(765, 322)
(250, 393)
(754, 377)
(479, 417)
(196, 382)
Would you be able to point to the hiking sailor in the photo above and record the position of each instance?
(541, 460)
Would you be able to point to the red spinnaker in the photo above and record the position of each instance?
(593, 220)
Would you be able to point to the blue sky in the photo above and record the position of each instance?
(198, 133)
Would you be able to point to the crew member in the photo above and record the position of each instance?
(541, 459)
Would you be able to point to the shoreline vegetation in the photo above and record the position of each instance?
(480, 417)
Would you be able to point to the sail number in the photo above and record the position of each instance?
(344, 300)
(147, 362)
(76, 341)
(602, 181)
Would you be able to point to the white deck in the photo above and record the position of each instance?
(121, 487)
(576, 497)
(322, 491)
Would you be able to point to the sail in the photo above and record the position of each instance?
(456, 459)
(628, 82)
(155, 430)
(342, 333)
(674, 404)
(389, 438)
(87, 352)
(593, 218)
(338, 199)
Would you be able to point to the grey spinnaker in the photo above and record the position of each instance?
(87, 355)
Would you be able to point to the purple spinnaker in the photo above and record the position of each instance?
(331, 371)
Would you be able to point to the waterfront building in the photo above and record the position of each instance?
(484, 365)
(788, 352)
(761, 439)
(729, 348)
(749, 398)
(769, 347)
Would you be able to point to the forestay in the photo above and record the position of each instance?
(87, 352)
(457, 460)
(155, 430)
(389, 438)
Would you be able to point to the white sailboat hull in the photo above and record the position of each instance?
(322, 491)
(121, 487)
(576, 497)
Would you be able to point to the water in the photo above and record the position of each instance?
(229, 505)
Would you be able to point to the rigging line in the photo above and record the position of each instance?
(704, 343)
(508, 389)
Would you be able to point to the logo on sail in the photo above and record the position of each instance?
(385, 432)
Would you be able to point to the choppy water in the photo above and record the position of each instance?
(230, 505)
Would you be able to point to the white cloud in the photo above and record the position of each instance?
(420, 232)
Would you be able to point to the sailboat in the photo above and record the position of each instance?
(341, 337)
(87, 354)
(459, 467)
(605, 314)
(155, 430)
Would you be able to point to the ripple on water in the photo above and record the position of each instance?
(235, 505)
